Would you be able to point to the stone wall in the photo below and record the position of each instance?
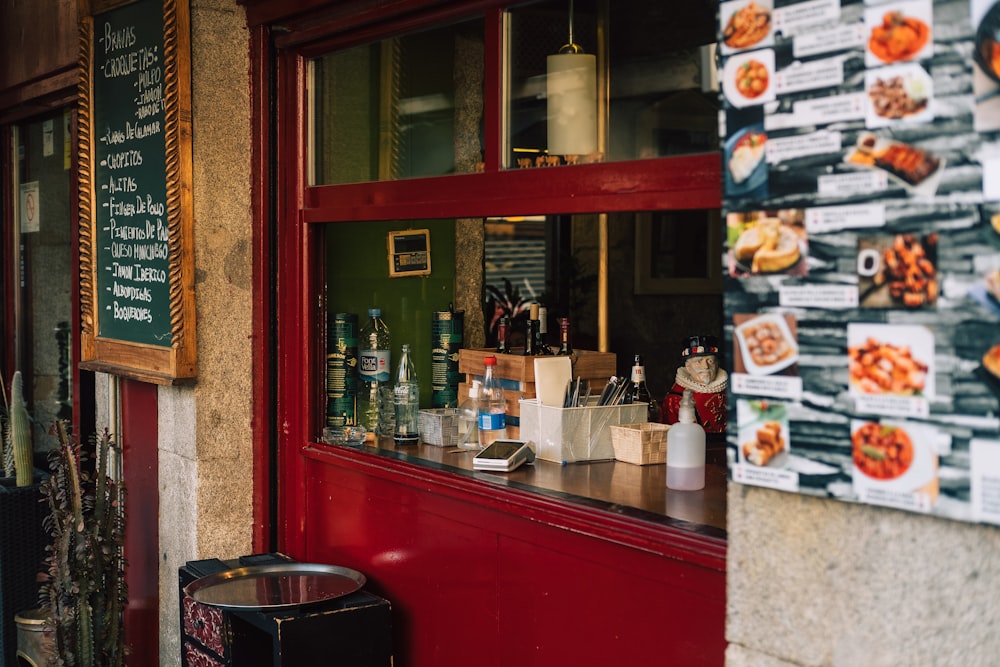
(205, 449)
(817, 582)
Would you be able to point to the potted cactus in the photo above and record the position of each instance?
(22, 512)
(84, 592)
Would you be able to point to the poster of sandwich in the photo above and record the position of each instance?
(860, 146)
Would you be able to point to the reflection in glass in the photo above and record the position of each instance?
(387, 110)
(655, 78)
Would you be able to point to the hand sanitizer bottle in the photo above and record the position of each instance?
(686, 449)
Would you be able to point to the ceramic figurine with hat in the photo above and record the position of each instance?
(699, 372)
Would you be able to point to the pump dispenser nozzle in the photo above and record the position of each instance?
(685, 413)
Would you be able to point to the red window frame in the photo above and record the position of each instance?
(302, 211)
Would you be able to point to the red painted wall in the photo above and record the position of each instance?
(480, 574)
(138, 440)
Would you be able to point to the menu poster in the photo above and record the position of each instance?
(136, 237)
(861, 197)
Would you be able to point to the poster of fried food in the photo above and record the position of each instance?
(890, 360)
(763, 433)
(898, 271)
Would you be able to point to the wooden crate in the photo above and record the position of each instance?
(517, 373)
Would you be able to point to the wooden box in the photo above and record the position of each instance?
(517, 374)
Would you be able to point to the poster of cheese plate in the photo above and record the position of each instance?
(767, 242)
(891, 368)
(764, 447)
(894, 463)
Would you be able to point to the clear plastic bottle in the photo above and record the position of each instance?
(492, 408)
(406, 401)
(686, 449)
(374, 369)
(468, 419)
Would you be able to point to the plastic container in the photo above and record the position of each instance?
(686, 449)
(406, 401)
(374, 369)
(492, 407)
(468, 419)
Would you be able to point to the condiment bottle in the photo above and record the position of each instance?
(686, 449)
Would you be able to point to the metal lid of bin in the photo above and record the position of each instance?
(275, 586)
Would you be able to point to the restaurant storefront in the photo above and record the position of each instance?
(364, 118)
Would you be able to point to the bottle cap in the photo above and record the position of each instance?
(685, 413)
(490, 361)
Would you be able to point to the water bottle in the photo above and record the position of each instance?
(492, 406)
(406, 401)
(468, 419)
(373, 370)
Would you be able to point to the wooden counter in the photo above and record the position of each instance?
(639, 491)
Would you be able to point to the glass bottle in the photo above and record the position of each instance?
(492, 408)
(565, 336)
(374, 369)
(531, 332)
(406, 401)
(503, 329)
(541, 345)
(639, 392)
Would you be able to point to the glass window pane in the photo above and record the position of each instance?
(42, 228)
(388, 110)
(654, 59)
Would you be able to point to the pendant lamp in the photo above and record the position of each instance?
(571, 90)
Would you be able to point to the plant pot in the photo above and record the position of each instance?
(22, 553)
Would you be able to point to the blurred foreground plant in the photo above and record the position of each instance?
(84, 591)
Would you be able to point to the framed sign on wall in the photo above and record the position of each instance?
(136, 231)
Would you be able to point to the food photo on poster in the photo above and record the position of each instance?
(746, 24)
(895, 464)
(898, 271)
(898, 94)
(766, 344)
(899, 32)
(767, 242)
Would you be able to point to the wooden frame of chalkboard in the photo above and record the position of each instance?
(136, 229)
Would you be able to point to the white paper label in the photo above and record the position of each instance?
(809, 76)
(835, 218)
(899, 406)
(775, 386)
(784, 480)
(806, 15)
(787, 148)
(838, 38)
(818, 296)
(984, 469)
(914, 502)
(847, 185)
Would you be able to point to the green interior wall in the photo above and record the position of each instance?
(358, 279)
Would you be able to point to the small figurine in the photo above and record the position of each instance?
(701, 374)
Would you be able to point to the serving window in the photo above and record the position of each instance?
(444, 122)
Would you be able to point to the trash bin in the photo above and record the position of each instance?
(34, 642)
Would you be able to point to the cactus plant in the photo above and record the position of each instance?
(84, 591)
(20, 433)
(19, 449)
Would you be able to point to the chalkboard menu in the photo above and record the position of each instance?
(862, 206)
(136, 253)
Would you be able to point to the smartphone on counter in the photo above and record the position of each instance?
(503, 455)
